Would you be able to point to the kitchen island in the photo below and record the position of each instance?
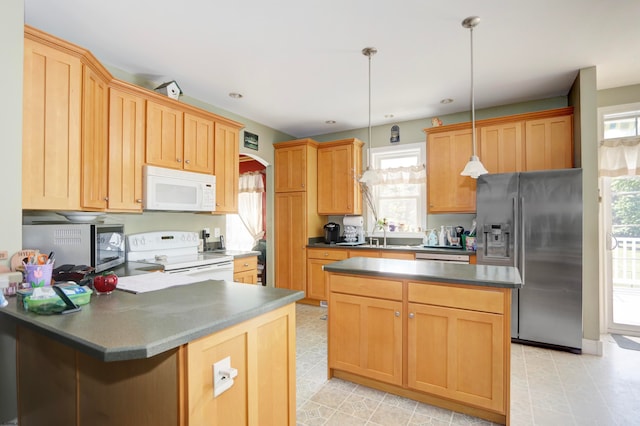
(146, 359)
(435, 332)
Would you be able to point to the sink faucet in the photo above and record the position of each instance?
(384, 233)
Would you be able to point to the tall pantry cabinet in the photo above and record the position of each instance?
(296, 210)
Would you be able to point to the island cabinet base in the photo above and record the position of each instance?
(442, 343)
(58, 385)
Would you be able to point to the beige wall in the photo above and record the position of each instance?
(11, 46)
(583, 97)
(619, 96)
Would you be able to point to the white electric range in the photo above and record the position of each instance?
(176, 252)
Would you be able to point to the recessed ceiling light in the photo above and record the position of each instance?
(388, 116)
(446, 101)
(330, 122)
(235, 95)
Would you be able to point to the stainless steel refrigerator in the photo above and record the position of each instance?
(533, 221)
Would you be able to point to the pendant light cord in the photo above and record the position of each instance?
(473, 99)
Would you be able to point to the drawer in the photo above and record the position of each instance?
(329, 254)
(242, 264)
(485, 299)
(365, 286)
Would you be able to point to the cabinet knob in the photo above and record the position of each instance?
(187, 161)
(326, 254)
(302, 185)
(178, 160)
(106, 198)
(139, 200)
(397, 313)
(412, 315)
(245, 264)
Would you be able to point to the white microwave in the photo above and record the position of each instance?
(177, 190)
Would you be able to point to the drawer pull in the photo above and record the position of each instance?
(397, 313)
(412, 315)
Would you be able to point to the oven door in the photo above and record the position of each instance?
(215, 271)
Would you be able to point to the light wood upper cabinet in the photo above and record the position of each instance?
(539, 140)
(448, 191)
(226, 168)
(198, 143)
(95, 149)
(294, 168)
(549, 143)
(164, 135)
(501, 147)
(52, 99)
(339, 167)
(126, 149)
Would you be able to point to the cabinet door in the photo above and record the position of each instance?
(316, 278)
(457, 354)
(290, 240)
(338, 190)
(365, 336)
(126, 150)
(164, 136)
(501, 147)
(290, 169)
(95, 150)
(198, 144)
(226, 168)
(51, 129)
(447, 190)
(549, 143)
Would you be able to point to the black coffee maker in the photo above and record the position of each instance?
(331, 233)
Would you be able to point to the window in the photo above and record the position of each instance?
(402, 204)
(621, 125)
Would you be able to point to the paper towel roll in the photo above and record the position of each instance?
(353, 221)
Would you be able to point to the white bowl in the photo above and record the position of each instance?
(83, 216)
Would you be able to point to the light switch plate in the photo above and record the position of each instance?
(221, 382)
(216, 232)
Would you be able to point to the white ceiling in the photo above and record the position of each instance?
(298, 63)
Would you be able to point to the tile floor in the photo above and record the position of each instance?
(547, 388)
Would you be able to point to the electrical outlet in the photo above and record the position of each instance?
(216, 232)
(223, 375)
(4, 254)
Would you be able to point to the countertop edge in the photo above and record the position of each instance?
(142, 351)
(376, 268)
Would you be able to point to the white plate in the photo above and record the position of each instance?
(83, 216)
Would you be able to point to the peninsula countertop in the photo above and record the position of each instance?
(124, 326)
(420, 270)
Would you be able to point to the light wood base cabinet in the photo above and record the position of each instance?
(245, 270)
(443, 344)
(58, 385)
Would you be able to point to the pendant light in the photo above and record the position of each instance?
(369, 175)
(474, 167)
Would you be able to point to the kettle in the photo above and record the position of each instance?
(331, 233)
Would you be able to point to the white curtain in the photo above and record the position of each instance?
(620, 156)
(396, 175)
(250, 192)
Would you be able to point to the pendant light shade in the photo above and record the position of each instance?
(369, 176)
(474, 167)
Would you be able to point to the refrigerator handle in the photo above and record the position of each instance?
(515, 220)
(521, 231)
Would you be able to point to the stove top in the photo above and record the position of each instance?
(171, 249)
(170, 263)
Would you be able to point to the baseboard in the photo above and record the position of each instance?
(592, 347)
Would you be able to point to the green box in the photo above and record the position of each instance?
(52, 305)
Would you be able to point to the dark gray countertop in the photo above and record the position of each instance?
(123, 326)
(412, 248)
(422, 270)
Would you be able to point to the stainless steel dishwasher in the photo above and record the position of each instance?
(443, 257)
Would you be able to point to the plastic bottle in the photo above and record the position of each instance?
(442, 237)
